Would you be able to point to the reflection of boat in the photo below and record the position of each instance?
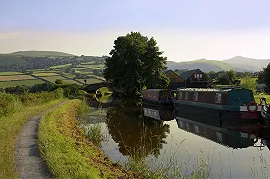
(161, 97)
(158, 112)
(231, 106)
(234, 139)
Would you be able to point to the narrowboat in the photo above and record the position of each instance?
(158, 112)
(158, 97)
(220, 107)
(229, 138)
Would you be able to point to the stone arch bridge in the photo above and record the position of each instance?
(91, 88)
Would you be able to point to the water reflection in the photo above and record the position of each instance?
(133, 132)
(158, 112)
(135, 136)
(234, 139)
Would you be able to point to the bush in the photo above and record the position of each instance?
(249, 83)
(58, 81)
(10, 103)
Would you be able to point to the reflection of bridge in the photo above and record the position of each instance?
(91, 88)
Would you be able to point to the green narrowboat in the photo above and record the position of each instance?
(219, 106)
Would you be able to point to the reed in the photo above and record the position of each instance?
(260, 168)
(83, 108)
(95, 134)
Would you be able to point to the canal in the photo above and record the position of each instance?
(180, 144)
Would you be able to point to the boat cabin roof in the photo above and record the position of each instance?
(212, 90)
(156, 90)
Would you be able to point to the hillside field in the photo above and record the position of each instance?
(75, 75)
(6, 84)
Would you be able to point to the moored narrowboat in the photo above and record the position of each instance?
(160, 97)
(219, 106)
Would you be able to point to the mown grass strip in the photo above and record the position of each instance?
(68, 152)
(257, 98)
(9, 131)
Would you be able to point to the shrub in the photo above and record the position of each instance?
(248, 83)
(58, 81)
(8, 104)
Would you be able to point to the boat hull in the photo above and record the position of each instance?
(158, 103)
(240, 120)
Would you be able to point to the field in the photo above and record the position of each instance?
(5, 84)
(100, 66)
(53, 78)
(71, 82)
(45, 74)
(75, 75)
(15, 77)
(91, 80)
(10, 73)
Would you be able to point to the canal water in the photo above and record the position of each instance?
(138, 133)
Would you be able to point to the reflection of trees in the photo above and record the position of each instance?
(136, 137)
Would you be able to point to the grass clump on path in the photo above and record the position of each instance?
(9, 132)
(68, 152)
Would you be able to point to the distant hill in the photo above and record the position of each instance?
(40, 54)
(237, 63)
(22, 62)
(249, 64)
(203, 64)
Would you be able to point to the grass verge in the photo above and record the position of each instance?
(9, 132)
(68, 152)
(257, 98)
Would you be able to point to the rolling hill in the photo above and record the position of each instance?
(203, 64)
(237, 63)
(249, 64)
(28, 60)
(40, 54)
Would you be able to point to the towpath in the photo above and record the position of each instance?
(29, 163)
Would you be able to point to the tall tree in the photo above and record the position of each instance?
(266, 75)
(261, 76)
(227, 78)
(135, 63)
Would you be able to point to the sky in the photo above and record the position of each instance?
(184, 29)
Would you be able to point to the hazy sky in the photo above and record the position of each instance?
(184, 29)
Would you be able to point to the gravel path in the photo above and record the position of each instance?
(29, 163)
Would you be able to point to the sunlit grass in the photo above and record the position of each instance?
(257, 98)
(67, 150)
(9, 131)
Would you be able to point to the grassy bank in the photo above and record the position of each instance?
(68, 152)
(9, 131)
(257, 98)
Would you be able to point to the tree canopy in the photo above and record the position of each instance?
(227, 78)
(266, 75)
(135, 63)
